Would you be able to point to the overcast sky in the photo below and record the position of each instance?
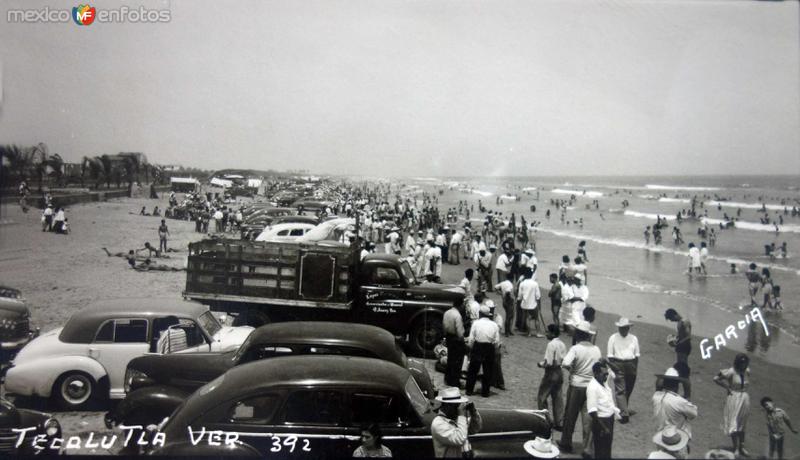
(417, 88)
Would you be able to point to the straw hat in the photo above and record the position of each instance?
(623, 322)
(671, 373)
(486, 310)
(451, 395)
(671, 438)
(584, 326)
(541, 448)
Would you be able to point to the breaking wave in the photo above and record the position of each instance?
(588, 193)
(754, 226)
(647, 215)
(679, 187)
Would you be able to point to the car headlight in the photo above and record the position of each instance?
(134, 379)
(52, 428)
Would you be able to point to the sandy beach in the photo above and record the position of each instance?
(61, 274)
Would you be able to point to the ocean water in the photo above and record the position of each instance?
(631, 278)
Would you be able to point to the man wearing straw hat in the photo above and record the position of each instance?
(455, 421)
(670, 408)
(671, 443)
(623, 356)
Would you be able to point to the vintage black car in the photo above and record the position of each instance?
(15, 330)
(156, 384)
(314, 407)
(43, 424)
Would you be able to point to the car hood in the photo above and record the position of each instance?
(12, 308)
(45, 345)
(230, 337)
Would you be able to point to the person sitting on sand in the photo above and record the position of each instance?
(156, 212)
(143, 212)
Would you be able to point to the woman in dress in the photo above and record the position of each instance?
(737, 404)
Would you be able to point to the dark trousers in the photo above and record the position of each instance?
(455, 360)
(481, 358)
(625, 372)
(602, 441)
(497, 372)
(576, 404)
(521, 322)
(551, 387)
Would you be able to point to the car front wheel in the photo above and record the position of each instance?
(75, 391)
(426, 333)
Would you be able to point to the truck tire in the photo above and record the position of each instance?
(426, 333)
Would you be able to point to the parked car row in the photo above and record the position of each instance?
(303, 387)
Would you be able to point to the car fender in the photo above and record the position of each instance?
(37, 377)
(157, 401)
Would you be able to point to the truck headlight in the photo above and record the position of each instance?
(52, 428)
(134, 379)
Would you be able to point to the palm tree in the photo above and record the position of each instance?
(14, 162)
(54, 166)
(107, 165)
(94, 168)
(38, 159)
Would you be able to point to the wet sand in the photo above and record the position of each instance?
(60, 274)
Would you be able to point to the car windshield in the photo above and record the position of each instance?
(209, 323)
(244, 347)
(417, 398)
(408, 273)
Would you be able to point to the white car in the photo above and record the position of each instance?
(85, 360)
(338, 230)
(289, 231)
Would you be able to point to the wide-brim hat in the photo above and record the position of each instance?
(451, 395)
(623, 322)
(671, 373)
(394, 229)
(671, 438)
(541, 448)
(584, 326)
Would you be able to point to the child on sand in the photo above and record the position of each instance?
(776, 418)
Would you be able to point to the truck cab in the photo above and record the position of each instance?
(390, 296)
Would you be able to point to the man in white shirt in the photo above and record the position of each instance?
(670, 408)
(455, 247)
(580, 294)
(553, 381)
(529, 260)
(410, 244)
(601, 408)
(466, 284)
(477, 245)
(623, 356)
(483, 261)
(530, 298)
(502, 266)
(579, 361)
(433, 262)
(483, 341)
(506, 291)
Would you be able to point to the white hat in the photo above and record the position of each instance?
(584, 326)
(579, 276)
(541, 448)
(623, 322)
(489, 303)
(486, 310)
(671, 438)
(671, 373)
(451, 395)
